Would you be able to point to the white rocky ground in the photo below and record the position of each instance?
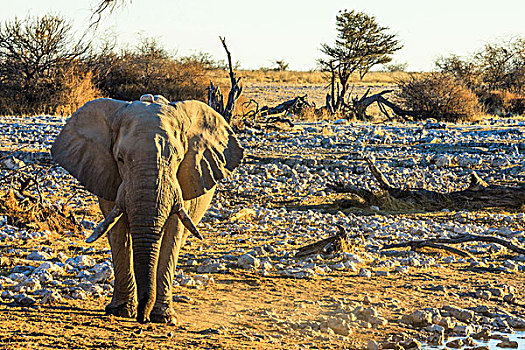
(260, 207)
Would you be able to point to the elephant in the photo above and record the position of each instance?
(154, 166)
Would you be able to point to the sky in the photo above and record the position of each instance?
(260, 32)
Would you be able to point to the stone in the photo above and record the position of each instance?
(24, 300)
(365, 273)
(402, 269)
(247, 261)
(101, 273)
(516, 322)
(216, 267)
(483, 334)
(509, 298)
(36, 255)
(420, 318)
(16, 276)
(411, 344)
(509, 344)
(463, 330)
(78, 294)
(447, 323)
(44, 277)
(51, 298)
(437, 334)
(455, 344)
(442, 161)
(28, 286)
(484, 294)
(7, 295)
(460, 314)
(339, 326)
(372, 345)
(48, 267)
(81, 262)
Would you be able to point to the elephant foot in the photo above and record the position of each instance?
(127, 309)
(163, 314)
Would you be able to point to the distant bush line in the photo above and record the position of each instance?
(490, 81)
(43, 69)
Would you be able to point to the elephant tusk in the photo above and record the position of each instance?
(188, 223)
(105, 225)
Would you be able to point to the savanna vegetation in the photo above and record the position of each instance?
(45, 67)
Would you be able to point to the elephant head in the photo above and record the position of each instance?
(147, 157)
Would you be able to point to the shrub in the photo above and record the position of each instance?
(503, 102)
(496, 74)
(148, 68)
(439, 96)
(40, 67)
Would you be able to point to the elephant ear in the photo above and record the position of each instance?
(212, 153)
(84, 147)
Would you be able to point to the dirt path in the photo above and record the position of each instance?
(246, 311)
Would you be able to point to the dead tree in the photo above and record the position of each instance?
(477, 195)
(215, 97)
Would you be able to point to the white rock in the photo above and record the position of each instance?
(48, 267)
(247, 261)
(81, 262)
(36, 255)
(365, 273)
(28, 286)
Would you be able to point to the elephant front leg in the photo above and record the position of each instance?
(124, 300)
(173, 239)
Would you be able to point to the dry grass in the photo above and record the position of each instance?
(63, 93)
(26, 212)
(304, 78)
(502, 102)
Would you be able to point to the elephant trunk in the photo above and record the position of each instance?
(148, 207)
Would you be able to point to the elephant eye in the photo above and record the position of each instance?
(120, 159)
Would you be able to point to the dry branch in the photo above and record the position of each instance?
(336, 243)
(439, 243)
(29, 210)
(477, 195)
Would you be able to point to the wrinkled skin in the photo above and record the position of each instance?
(149, 160)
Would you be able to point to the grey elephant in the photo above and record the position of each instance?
(154, 166)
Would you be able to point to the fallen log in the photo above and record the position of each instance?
(439, 243)
(336, 243)
(295, 106)
(477, 195)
